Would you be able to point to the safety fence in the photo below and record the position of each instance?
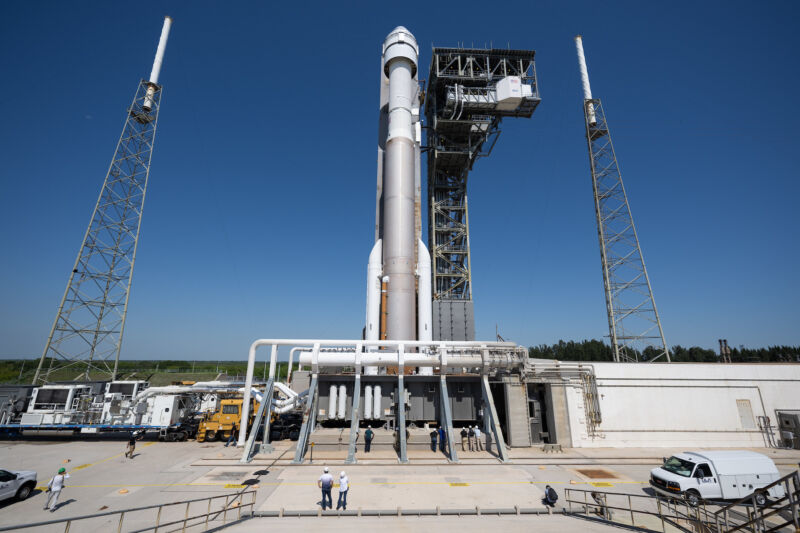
(755, 513)
(186, 516)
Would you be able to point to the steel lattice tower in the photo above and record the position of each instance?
(633, 322)
(463, 112)
(87, 333)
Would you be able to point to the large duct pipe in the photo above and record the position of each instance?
(400, 53)
(384, 359)
(332, 402)
(374, 270)
(376, 399)
(367, 402)
(587, 89)
(156, 71)
(424, 302)
(342, 402)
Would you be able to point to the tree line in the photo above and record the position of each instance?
(595, 350)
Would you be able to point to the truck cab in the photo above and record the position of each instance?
(716, 475)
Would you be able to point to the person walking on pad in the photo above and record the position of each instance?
(434, 436)
(325, 482)
(368, 434)
(232, 437)
(442, 439)
(463, 439)
(344, 486)
(54, 488)
(478, 437)
(471, 436)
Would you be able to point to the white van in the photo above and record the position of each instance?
(720, 475)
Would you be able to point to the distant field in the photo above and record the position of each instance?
(156, 372)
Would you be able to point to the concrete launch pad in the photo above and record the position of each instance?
(102, 479)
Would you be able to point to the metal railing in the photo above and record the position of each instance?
(758, 515)
(742, 515)
(175, 515)
(597, 502)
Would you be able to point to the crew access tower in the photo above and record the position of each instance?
(86, 336)
(469, 92)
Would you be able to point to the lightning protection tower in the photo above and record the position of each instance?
(633, 322)
(86, 336)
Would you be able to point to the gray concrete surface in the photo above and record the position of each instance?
(103, 480)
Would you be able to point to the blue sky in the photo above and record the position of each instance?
(260, 207)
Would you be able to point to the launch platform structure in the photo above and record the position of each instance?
(469, 92)
(633, 322)
(87, 332)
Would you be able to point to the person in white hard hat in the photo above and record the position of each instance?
(344, 486)
(325, 482)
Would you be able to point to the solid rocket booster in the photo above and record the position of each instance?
(393, 263)
(400, 54)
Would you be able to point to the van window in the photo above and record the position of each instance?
(703, 470)
(679, 466)
(230, 409)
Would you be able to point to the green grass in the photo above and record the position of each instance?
(156, 372)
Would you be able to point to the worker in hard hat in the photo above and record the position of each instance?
(325, 482)
(54, 488)
(478, 439)
(368, 435)
(344, 486)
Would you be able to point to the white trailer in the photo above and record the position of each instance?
(717, 475)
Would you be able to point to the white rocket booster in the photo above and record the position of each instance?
(393, 255)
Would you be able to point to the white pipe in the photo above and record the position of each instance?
(332, 402)
(291, 358)
(251, 358)
(159, 59)
(342, 402)
(367, 402)
(285, 389)
(587, 89)
(424, 301)
(376, 399)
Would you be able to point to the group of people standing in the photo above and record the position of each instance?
(325, 483)
(471, 439)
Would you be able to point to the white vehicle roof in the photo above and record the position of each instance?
(733, 462)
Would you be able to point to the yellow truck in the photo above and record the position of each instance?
(218, 425)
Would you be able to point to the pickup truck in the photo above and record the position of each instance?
(717, 475)
(16, 483)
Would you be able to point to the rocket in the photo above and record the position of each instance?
(399, 268)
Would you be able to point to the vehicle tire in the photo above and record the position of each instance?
(761, 498)
(211, 435)
(294, 434)
(24, 491)
(693, 498)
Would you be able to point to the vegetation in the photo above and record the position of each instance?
(156, 372)
(595, 350)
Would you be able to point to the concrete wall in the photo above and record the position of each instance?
(683, 404)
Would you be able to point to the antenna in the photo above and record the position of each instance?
(587, 88)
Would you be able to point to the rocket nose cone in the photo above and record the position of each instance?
(399, 29)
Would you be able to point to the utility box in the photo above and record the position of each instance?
(789, 424)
